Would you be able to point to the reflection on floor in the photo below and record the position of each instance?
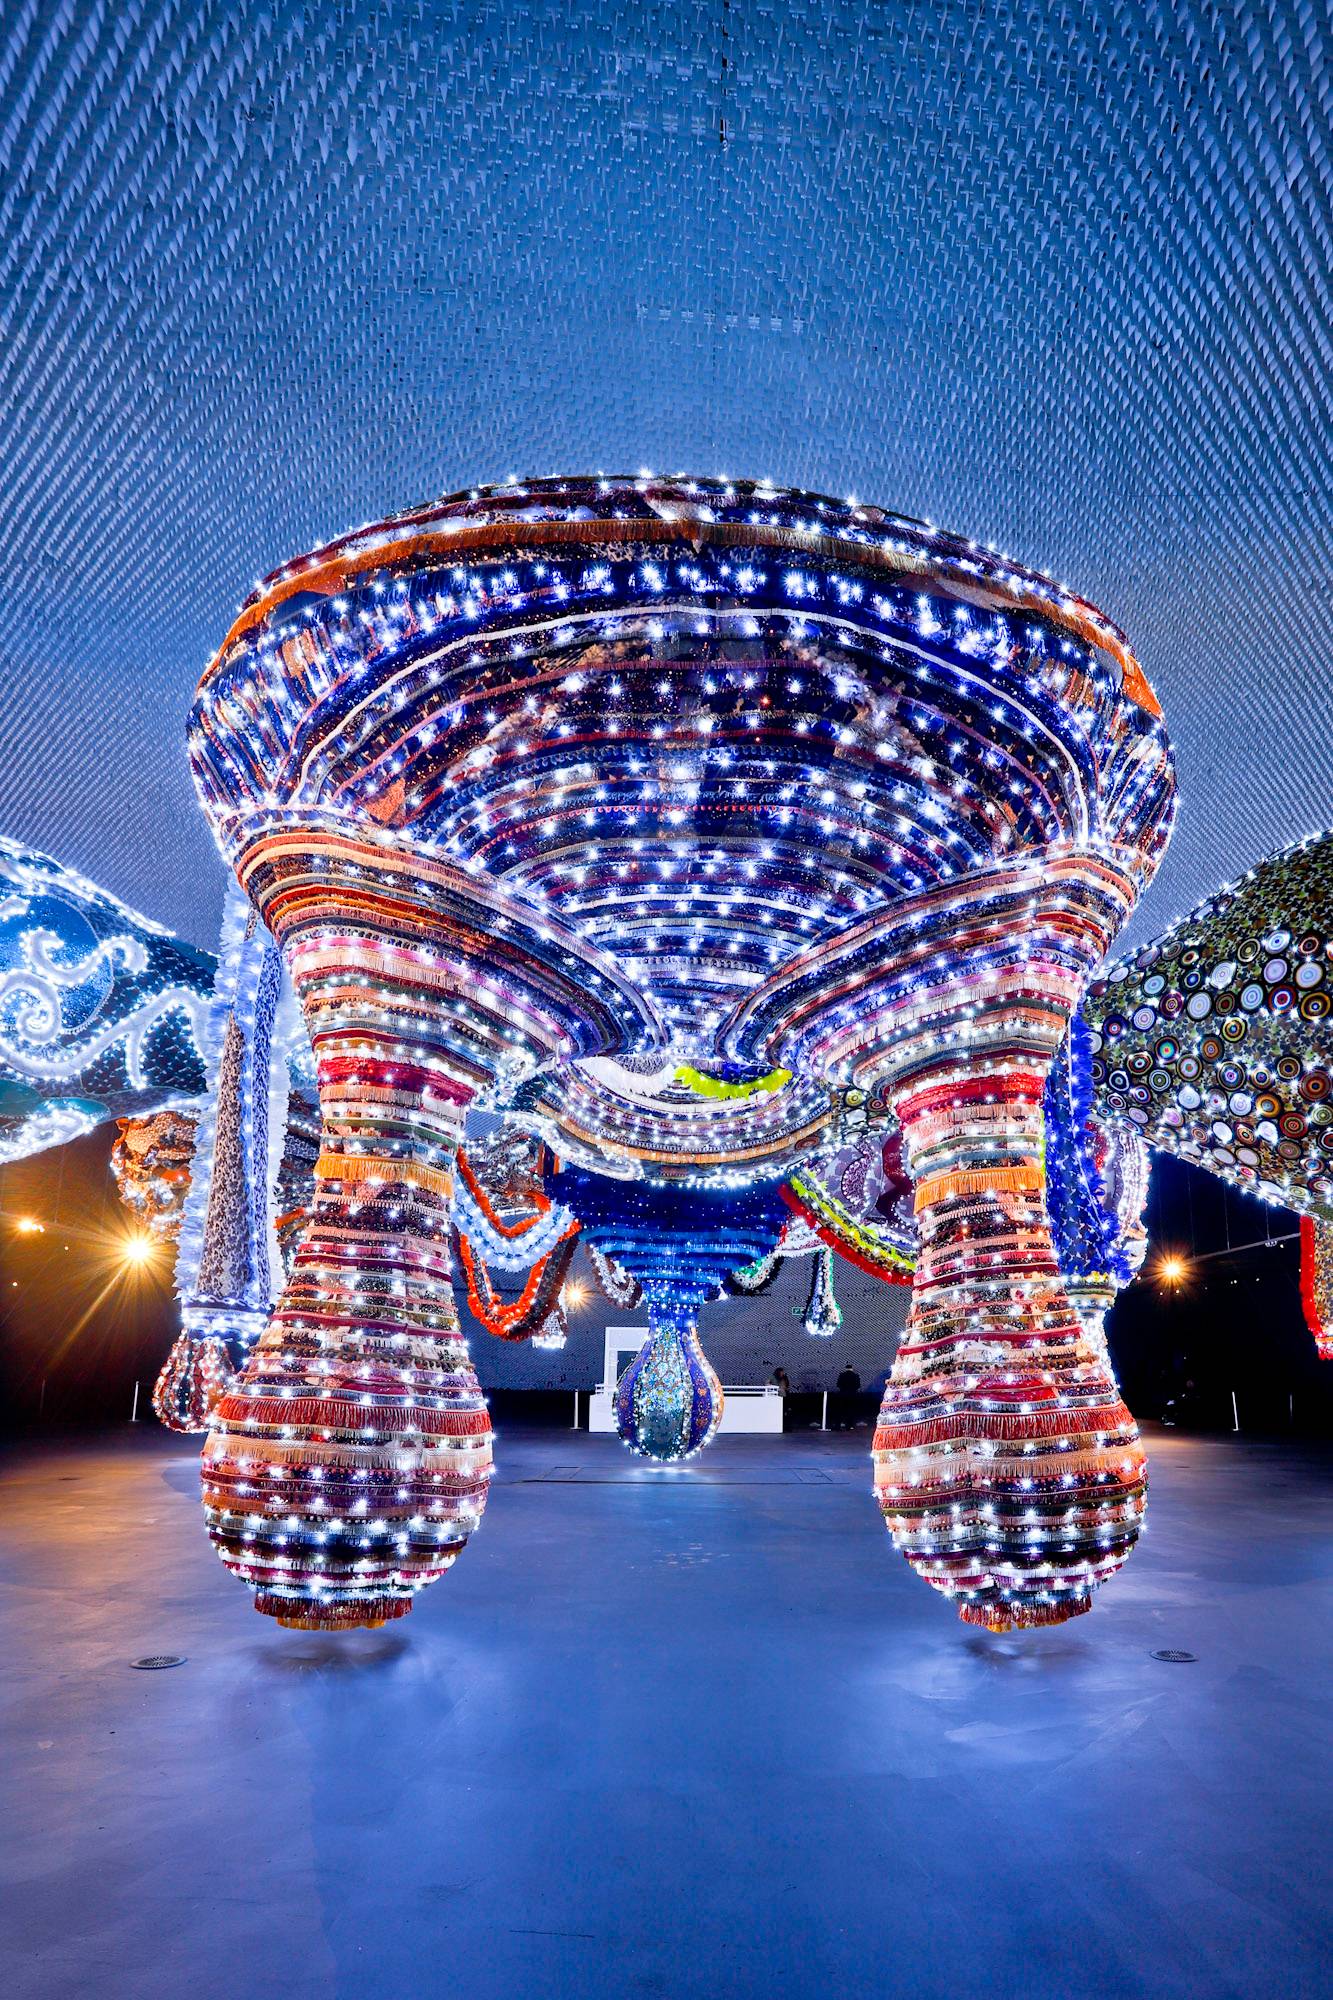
(668, 1732)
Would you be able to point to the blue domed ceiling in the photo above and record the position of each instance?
(1057, 276)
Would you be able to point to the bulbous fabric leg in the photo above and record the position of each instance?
(1006, 1464)
(1008, 1468)
(348, 1463)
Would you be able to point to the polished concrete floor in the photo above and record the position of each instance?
(695, 1732)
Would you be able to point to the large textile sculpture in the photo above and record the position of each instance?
(561, 796)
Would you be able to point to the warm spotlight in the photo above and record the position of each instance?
(137, 1250)
(1172, 1270)
(28, 1225)
(575, 1294)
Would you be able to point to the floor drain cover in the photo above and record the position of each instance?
(1175, 1656)
(151, 1663)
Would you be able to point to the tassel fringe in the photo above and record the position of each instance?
(999, 1616)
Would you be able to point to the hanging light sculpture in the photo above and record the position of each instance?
(679, 1243)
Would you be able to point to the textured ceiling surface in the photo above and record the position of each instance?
(1056, 276)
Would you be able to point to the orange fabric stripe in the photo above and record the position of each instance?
(977, 1180)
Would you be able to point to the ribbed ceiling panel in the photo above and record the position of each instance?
(1056, 276)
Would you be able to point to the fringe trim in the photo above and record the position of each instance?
(1076, 1421)
(995, 1472)
(356, 1167)
(238, 1413)
(977, 1180)
(509, 1230)
(529, 1311)
(332, 1617)
(891, 1265)
(1015, 1615)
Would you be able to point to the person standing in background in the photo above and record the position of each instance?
(849, 1388)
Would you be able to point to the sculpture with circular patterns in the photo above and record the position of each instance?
(550, 788)
(1215, 1041)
